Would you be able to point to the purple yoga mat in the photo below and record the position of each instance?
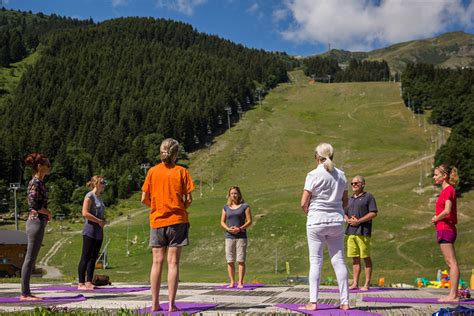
(247, 287)
(371, 289)
(99, 289)
(50, 299)
(414, 300)
(325, 309)
(188, 308)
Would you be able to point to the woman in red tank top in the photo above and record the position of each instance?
(445, 221)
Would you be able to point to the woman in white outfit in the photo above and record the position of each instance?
(324, 199)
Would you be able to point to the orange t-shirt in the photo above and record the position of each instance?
(166, 187)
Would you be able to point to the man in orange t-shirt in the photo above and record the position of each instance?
(167, 190)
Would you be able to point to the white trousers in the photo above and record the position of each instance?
(333, 236)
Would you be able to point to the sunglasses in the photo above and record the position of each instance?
(355, 183)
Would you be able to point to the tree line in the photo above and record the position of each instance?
(101, 98)
(325, 69)
(21, 32)
(449, 94)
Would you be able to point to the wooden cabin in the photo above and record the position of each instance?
(12, 252)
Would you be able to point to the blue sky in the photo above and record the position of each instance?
(298, 27)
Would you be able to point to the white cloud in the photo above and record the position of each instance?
(253, 8)
(363, 25)
(280, 15)
(184, 6)
(118, 3)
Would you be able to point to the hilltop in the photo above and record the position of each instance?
(454, 49)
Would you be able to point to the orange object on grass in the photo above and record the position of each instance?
(382, 282)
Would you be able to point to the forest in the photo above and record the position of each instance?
(325, 69)
(449, 95)
(102, 97)
(22, 32)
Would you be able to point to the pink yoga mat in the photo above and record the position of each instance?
(247, 287)
(372, 289)
(99, 289)
(325, 309)
(185, 308)
(48, 299)
(414, 300)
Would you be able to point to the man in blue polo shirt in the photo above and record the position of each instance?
(359, 214)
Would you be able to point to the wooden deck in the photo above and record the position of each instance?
(259, 301)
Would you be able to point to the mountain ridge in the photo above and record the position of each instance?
(452, 49)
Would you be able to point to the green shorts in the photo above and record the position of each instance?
(358, 246)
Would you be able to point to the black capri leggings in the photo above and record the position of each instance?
(90, 252)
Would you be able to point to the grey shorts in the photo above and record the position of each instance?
(170, 236)
(235, 249)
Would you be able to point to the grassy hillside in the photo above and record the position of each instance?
(10, 76)
(268, 154)
(343, 56)
(454, 49)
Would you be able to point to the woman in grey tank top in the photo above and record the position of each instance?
(93, 210)
(235, 219)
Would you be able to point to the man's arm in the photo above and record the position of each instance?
(188, 199)
(146, 198)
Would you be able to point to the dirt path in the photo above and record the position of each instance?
(408, 164)
(53, 272)
(365, 105)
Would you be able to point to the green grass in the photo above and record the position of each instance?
(268, 154)
(10, 76)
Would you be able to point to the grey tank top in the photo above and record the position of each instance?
(92, 229)
(235, 217)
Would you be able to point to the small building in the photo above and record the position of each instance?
(12, 252)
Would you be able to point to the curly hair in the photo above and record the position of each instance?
(36, 159)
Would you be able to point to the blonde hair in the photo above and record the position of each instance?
(324, 153)
(240, 199)
(94, 181)
(169, 151)
(451, 172)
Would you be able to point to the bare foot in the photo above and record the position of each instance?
(449, 299)
(231, 285)
(173, 308)
(156, 307)
(89, 286)
(344, 307)
(309, 307)
(30, 298)
(365, 288)
(240, 286)
(353, 287)
(83, 287)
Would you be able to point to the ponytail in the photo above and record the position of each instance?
(328, 164)
(324, 152)
(169, 151)
(451, 173)
(94, 181)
